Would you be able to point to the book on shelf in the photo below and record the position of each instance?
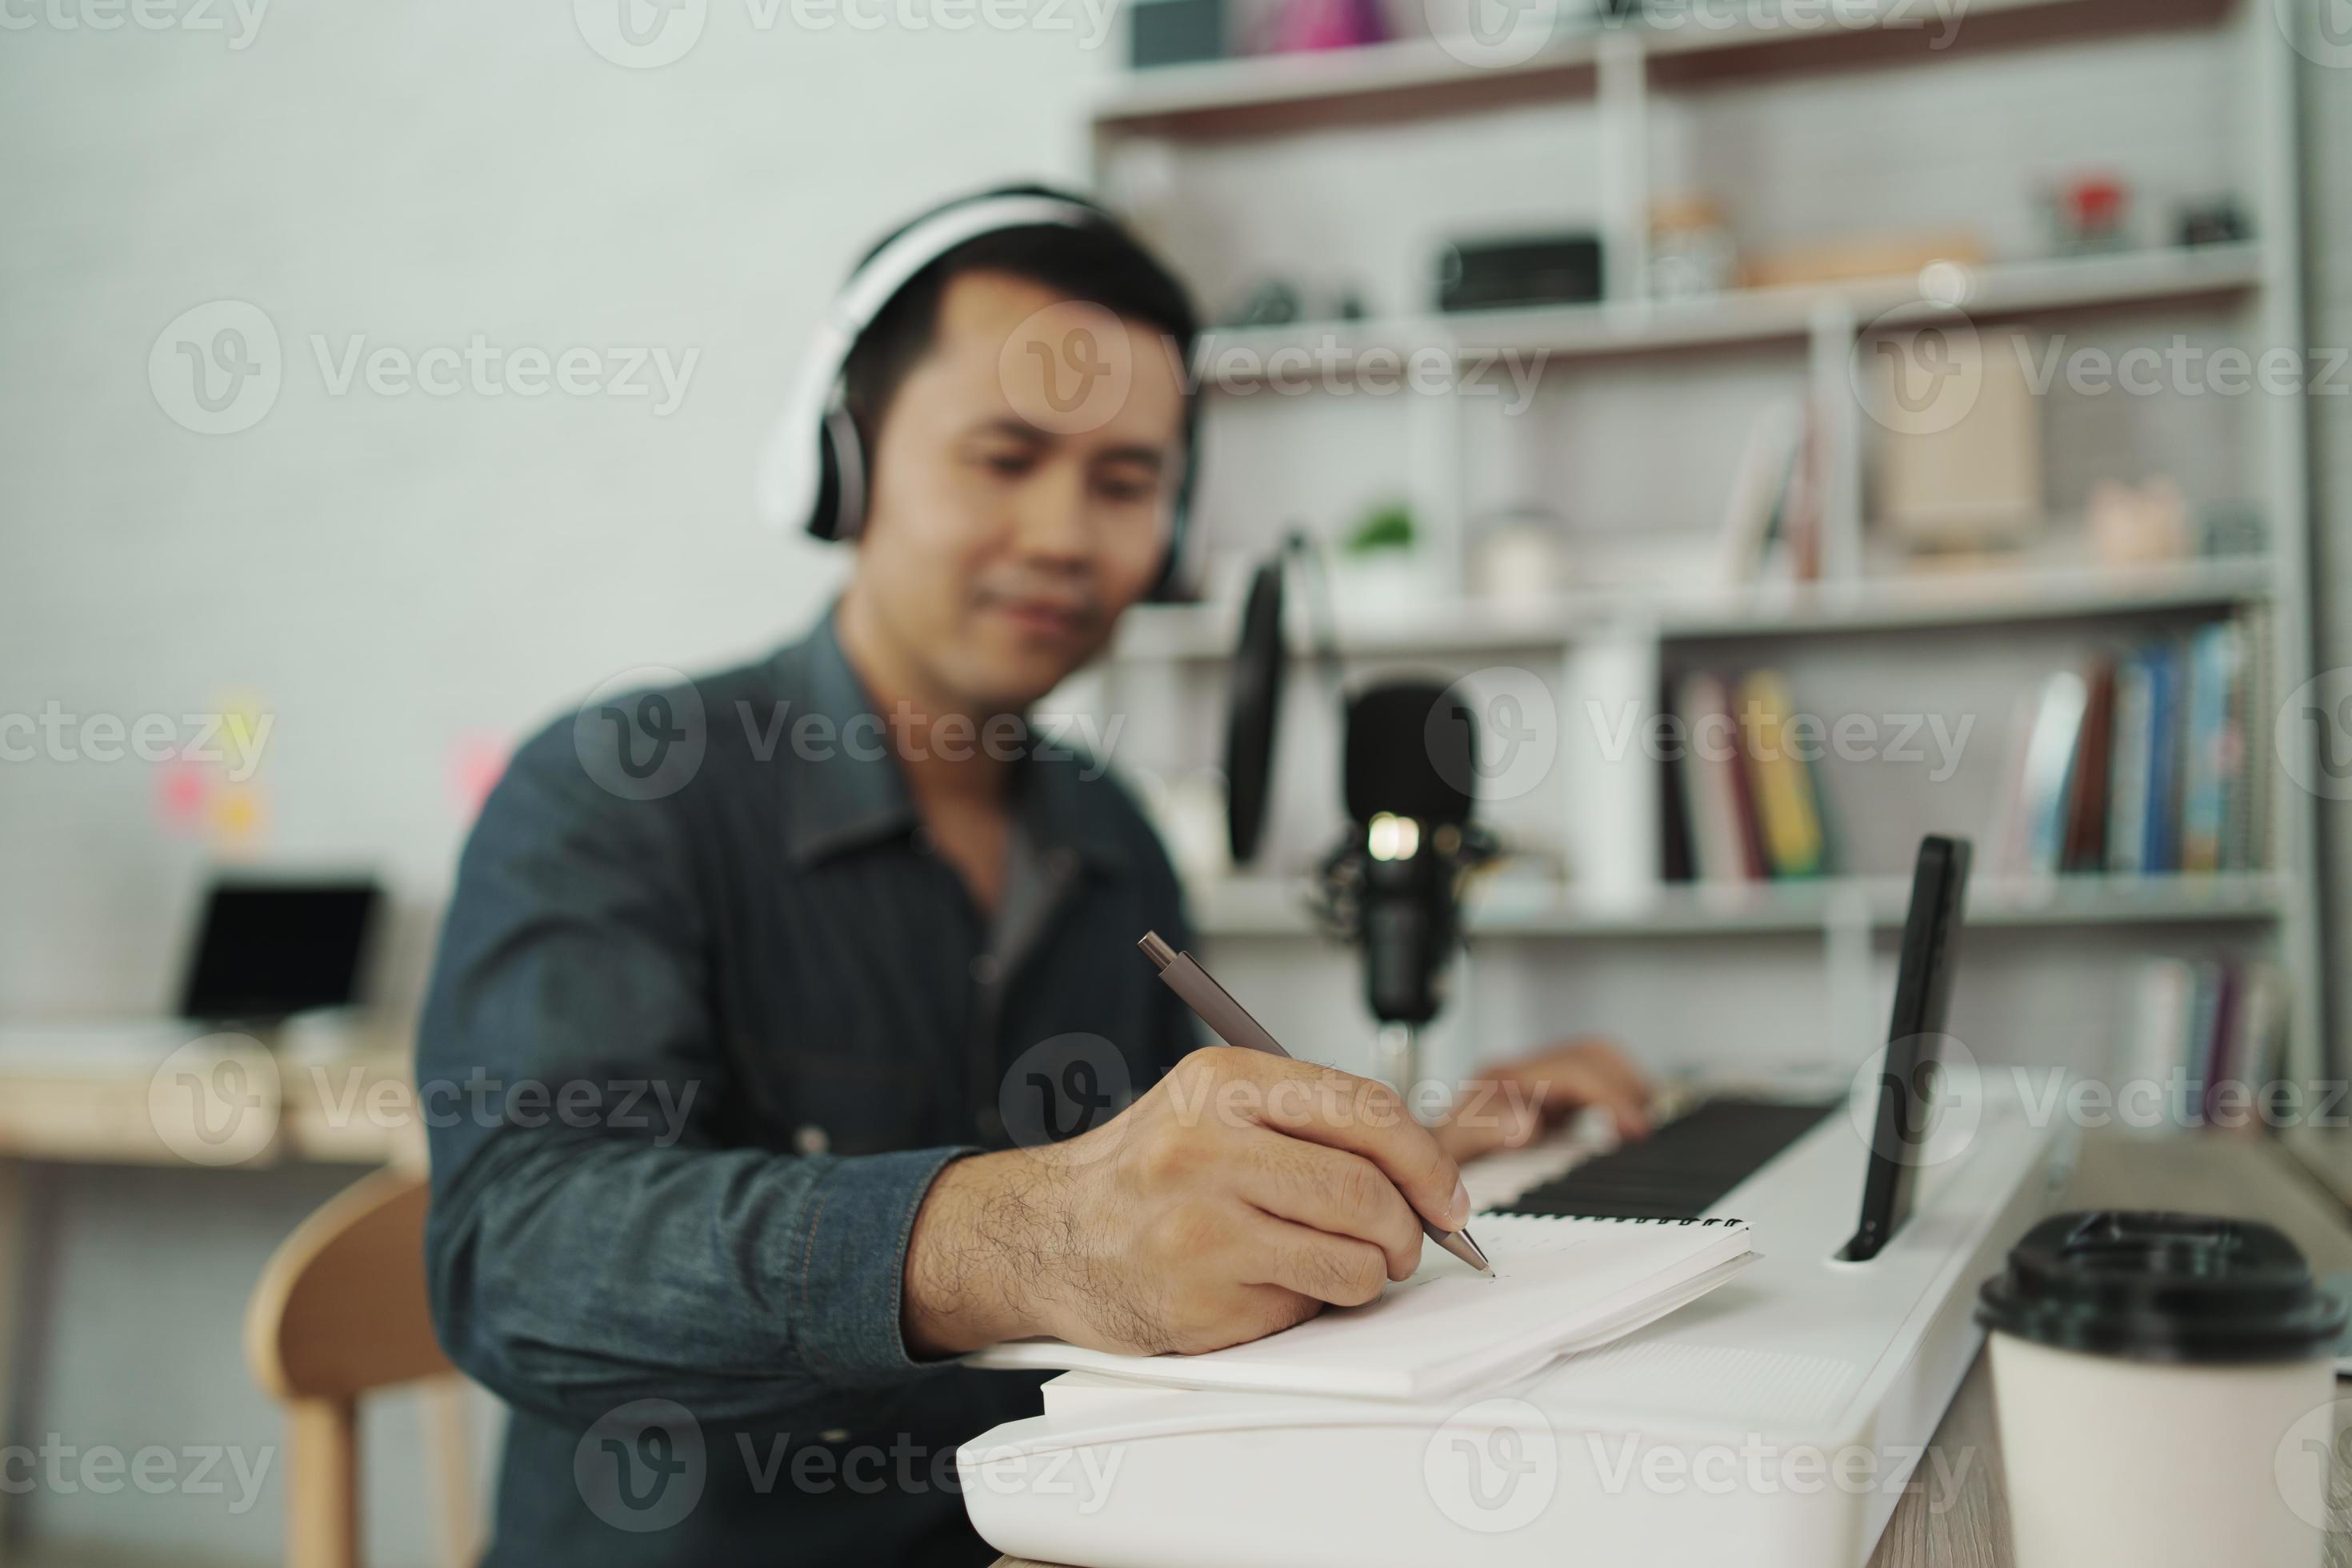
(2205, 1037)
(1745, 807)
(2144, 761)
(1771, 528)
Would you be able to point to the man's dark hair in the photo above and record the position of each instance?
(1101, 266)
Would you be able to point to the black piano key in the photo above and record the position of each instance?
(1682, 1168)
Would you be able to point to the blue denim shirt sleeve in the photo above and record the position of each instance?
(622, 1250)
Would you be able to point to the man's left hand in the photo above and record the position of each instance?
(1508, 1105)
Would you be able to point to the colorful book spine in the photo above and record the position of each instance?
(2213, 742)
(2127, 767)
(1787, 805)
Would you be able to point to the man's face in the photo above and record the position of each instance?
(1021, 489)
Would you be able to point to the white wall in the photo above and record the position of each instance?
(387, 577)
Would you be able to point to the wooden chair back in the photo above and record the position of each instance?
(340, 1311)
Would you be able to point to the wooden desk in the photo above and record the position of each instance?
(2208, 1173)
(358, 1109)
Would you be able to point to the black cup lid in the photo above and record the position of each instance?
(2161, 1287)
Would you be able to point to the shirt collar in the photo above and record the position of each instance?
(844, 790)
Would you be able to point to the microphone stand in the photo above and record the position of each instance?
(1396, 1057)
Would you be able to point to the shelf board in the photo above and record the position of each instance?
(1193, 633)
(1271, 907)
(1417, 77)
(1239, 359)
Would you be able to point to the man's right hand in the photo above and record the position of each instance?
(1239, 1196)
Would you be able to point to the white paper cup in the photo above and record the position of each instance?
(2146, 1368)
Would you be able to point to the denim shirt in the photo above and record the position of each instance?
(709, 1015)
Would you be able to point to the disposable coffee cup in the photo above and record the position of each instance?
(2146, 1367)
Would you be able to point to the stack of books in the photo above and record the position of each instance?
(2150, 761)
(2202, 1044)
(1737, 804)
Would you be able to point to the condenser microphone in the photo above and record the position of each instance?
(1408, 758)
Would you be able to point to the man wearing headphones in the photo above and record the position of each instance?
(753, 982)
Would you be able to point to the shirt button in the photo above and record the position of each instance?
(833, 1434)
(811, 1139)
(983, 970)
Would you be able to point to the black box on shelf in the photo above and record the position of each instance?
(1175, 32)
(1530, 269)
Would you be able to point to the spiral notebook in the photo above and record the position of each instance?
(1561, 1285)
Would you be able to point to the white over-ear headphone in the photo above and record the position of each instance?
(812, 474)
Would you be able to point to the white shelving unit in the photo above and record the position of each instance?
(1525, 906)
(1610, 90)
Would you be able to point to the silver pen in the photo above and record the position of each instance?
(1215, 1006)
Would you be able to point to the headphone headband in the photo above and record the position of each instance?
(809, 434)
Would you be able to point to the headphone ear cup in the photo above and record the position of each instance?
(840, 508)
